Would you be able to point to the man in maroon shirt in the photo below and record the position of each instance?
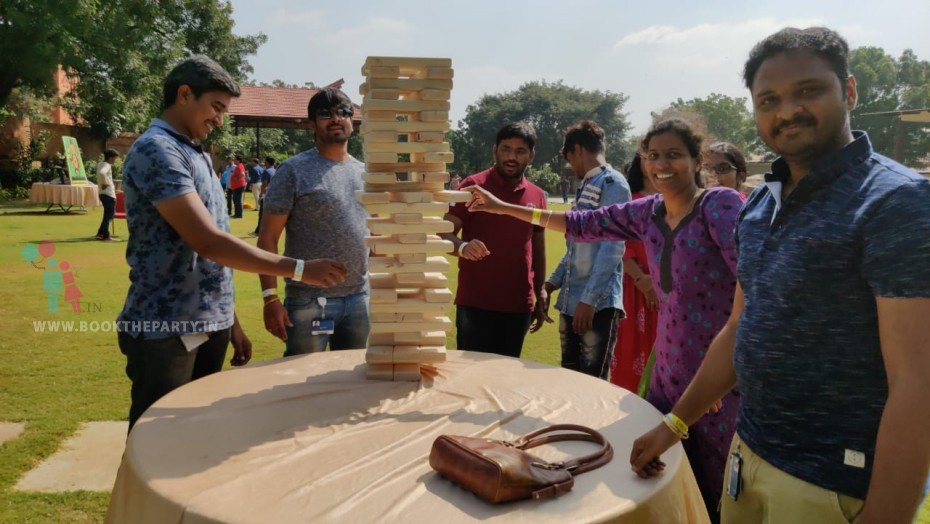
(502, 261)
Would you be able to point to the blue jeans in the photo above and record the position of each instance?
(349, 313)
(589, 353)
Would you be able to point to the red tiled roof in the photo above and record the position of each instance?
(268, 102)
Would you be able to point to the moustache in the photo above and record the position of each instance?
(800, 121)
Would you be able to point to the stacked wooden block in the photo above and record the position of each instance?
(405, 114)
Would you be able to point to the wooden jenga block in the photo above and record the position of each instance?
(429, 338)
(409, 305)
(381, 339)
(406, 372)
(436, 324)
(427, 187)
(380, 158)
(379, 116)
(411, 197)
(404, 127)
(383, 296)
(383, 94)
(437, 295)
(452, 196)
(382, 316)
(386, 246)
(411, 258)
(429, 225)
(405, 355)
(406, 147)
(411, 238)
(380, 372)
(392, 280)
(404, 105)
(434, 116)
(393, 265)
(407, 65)
(379, 178)
(428, 137)
(372, 198)
(380, 355)
(410, 84)
(435, 177)
(408, 218)
(434, 94)
(406, 167)
(381, 71)
(411, 279)
(447, 157)
(381, 137)
(430, 208)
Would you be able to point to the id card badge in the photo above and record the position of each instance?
(322, 326)
(736, 464)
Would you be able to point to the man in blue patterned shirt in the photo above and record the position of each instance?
(179, 317)
(828, 341)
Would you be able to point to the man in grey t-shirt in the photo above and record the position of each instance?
(312, 197)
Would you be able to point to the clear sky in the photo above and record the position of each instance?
(654, 52)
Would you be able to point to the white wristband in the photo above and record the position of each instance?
(298, 271)
(269, 292)
(462, 248)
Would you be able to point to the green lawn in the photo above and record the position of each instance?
(54, 381)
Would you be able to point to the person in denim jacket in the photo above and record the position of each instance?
(589, 275)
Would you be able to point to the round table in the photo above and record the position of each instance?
(309, 439)
(83, 195)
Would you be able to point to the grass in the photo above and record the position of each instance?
(54, 381)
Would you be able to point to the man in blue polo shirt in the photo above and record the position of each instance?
(829, 341)
(179, 318)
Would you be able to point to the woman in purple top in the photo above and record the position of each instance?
(688, 235)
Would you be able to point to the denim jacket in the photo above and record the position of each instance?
(592, 272)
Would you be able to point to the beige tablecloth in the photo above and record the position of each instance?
(309, 439)
(84, 195)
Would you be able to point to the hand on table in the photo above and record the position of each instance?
(644, 457)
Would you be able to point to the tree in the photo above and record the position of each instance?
(551, 108)
(724, 118)
(885, 84)
(119, 52)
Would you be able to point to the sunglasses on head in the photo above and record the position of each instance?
(341, 112)
(720, 169)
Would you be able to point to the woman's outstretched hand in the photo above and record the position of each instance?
(483, 200)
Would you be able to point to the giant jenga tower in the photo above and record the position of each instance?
(405, 114)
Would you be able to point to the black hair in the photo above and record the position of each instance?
(692, 139)
(634, 174)
(110, 153)
(585, 133)
(522, 130)
(734, 155)
(269, 160)
(326, 98)
(202, 75)
(239, 158)
(823, 42)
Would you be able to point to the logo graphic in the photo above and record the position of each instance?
(57, 277)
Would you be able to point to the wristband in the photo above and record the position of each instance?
(270, 292)
(462, 248)
(677, 425)
(537, 215)
(299, 271)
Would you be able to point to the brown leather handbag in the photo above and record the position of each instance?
(501, 471)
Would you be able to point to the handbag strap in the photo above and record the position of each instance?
(582, 433)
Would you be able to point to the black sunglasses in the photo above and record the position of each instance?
(341, 112)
